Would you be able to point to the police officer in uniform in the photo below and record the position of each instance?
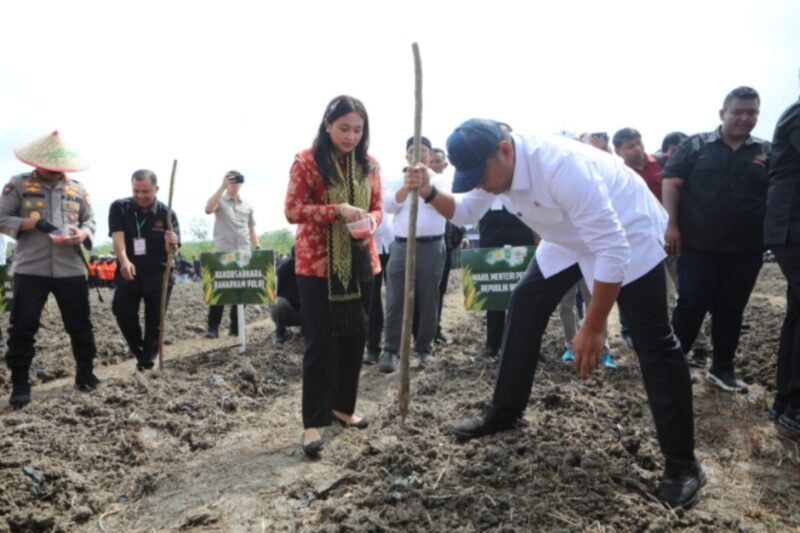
(33, 205)
(138, 229)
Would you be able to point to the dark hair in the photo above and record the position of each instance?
(323, 147)
(673, 138)
(740, 93)
(423, 141)
(144, 174)
(625, 134)
(440, 151)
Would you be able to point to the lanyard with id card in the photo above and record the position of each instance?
(139, 243)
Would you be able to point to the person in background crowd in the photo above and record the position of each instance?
(454, 238)
(234, 231)
(597, 220)
(50, 216)
(715, 191)
(331, 184)
(670, 142)
(429, 264)
(285, 312)
(141, 237)
(629, 146)
(782, 235)
(384, 237)
(3, 247)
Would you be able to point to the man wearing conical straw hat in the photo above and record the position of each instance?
(50, 216)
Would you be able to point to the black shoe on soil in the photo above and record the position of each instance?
(233, 333)
(425, 359)
(141, 366)
(699, 358)
(440, 339)
(482, 425)
(488, 353)
(371, 356)
(20, 396)
(86, 381)
(387, 363)
(212, 334)
(790, 423)
(680, 485)
(313, 448)
(726, 380)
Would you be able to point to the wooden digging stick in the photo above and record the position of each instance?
(167, 268)
(411, 248)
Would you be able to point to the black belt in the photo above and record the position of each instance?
(421, 239)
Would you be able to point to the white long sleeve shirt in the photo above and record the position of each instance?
(384, 237)
(429, 222)
(588, 207)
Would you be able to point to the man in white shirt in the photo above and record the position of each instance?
(596, 218)
(430, 257)
(383, 240)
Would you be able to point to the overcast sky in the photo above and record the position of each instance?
(242, 85)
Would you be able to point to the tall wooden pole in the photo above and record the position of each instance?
(167, 268)
(411, 248)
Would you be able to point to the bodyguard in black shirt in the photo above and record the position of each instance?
(715, 189)
(782, 235)
(138, 228)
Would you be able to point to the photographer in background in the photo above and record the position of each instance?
(234, 231)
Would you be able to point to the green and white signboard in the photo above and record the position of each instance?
(490, 274)
(238, 277)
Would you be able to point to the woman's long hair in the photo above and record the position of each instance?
(323, 147)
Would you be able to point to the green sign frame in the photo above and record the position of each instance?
(490, 274)
(238, 277)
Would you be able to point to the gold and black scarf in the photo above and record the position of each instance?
(348, 258)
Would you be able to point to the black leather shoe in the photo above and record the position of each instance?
(361, 424)
(388, 363)
(371, 356)
(212, 334)
(86, 381)
(680, 485)
(425, 359)
(20, 396)
(488, 353)
(440, 339)
(313, 448)
(790, 423)
(482, 425)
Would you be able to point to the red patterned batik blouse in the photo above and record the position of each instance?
(305, 206)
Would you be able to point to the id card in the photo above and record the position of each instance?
(139, 247)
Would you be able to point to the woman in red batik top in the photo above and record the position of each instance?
(331, 184)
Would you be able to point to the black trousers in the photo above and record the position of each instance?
(331, 365)
(448, 266)
(128, 296)
(644, 302)
(30, 295)
(285, 315)
(787, 399)
(375, 312)
(495, 325)
(215, 318)
(720, 283)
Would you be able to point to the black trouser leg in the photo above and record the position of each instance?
(72, 296)
(331, 365)
(125, 307)
(736, 277)
(233, 329)
(152, 322)
(375, 314)
(214, 317)
(787, 399)
(448, 265)
(284, 315)
(664, 368)
(495, 324)
(30, 295)
(533, 301)
(696, 279)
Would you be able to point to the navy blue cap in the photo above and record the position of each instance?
(468, 148)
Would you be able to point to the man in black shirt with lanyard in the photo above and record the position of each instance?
(715, 190)
(782, 235)
(138, 228)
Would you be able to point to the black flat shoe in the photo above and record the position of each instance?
(361, 424)
(20, 396)
(680, 486)
(482, 425)
(313, 448)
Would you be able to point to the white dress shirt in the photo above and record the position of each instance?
(429, 222)
(384, 235)
(588, 207)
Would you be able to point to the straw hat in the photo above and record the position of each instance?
(52, 153)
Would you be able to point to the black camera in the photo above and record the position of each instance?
(235, 178)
